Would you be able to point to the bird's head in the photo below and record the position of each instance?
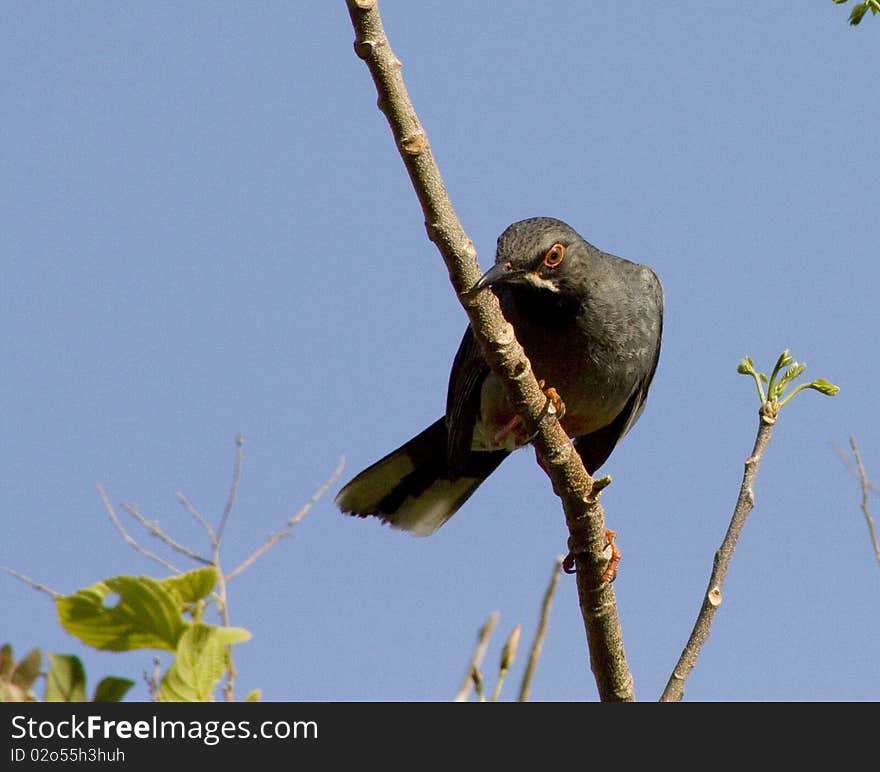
(541, 252)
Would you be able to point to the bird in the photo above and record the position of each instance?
(590, 324)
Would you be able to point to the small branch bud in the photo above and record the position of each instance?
(508, 653)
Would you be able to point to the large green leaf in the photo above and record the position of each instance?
(193, 585)
(146, 616)
(66, 679)
(200, 663)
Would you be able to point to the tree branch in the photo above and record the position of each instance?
(674, 690)
(482, 644)
(538, 644)
(130, 540)
(31, 582)
(580, 499)
(276, 537)
(863, 480)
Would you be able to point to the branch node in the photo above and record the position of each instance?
(414, 144)
(364, 48)
(714, 597)
(365, 5)
(599, 485)
(768, 412)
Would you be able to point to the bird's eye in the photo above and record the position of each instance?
(554, 255)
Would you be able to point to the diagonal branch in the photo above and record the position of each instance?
(129, 539)
(27, 580)
(154, 529)
(482, 644)
(674, 690)
(863, 479)
(276, 537)
(580, 499)
(538, 644)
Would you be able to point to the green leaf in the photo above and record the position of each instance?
(747, 367)
(823, 386)
(112, 689)
(785, 359)
(27, 671)
(255, 695)
(793, 372)
(146, 616)
(857, 13)
(200, 663)
(230, 635)
(66, 679)
(7, 662)
(17, 680)
(192, 586)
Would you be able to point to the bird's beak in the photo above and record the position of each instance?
(498, 273)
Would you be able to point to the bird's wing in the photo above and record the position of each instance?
(595, 448)
(469, 369)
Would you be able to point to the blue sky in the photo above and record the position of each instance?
(205, 229)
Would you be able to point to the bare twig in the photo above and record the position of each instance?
(221, 593)
(853, 468)
(200, 518)
(674, 690)
(508, 655)
(583, 512)
(31, 582)
(233, 491)
(537, 645)
(275, 538)
(863, 478)
(130, 540)
(157, 531)
(473, 669)
(153, 681)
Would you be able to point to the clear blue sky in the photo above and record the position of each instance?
(205, 229)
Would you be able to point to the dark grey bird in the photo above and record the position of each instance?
(590, 324)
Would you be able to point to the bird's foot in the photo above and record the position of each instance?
(610, 573)
(511, 435)
(514, 428)
(554, 401)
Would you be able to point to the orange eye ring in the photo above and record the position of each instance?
(555, 255)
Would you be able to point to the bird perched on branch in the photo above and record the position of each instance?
(590, 324)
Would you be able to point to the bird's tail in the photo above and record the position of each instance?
(413, 487)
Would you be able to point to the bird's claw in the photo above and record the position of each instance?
(610, 573)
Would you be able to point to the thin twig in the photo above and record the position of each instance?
(222, 594)
(130, 540)
(580, 499)
(153, 681)
(477, 659)
(157, 531)
(537, 645)
(674, 690)
(854, 469)
(863, 477)
(275, 538)
(233, 491)
(31, 582)
(200, 518)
